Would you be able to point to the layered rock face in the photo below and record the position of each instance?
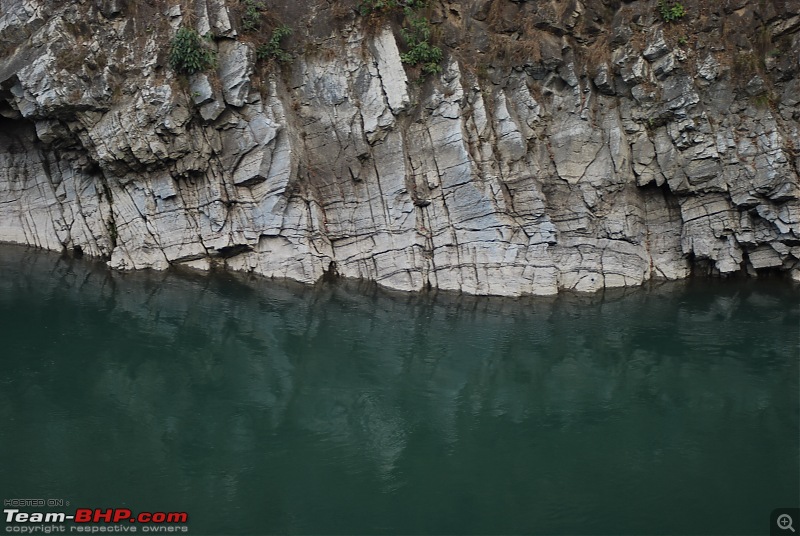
(564, 145)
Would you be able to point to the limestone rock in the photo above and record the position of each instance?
(657, 47)
(236, 61)
(553, 164)
(202, 92)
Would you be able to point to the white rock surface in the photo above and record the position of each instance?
(529, 185)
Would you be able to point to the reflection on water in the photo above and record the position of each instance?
(263, 407)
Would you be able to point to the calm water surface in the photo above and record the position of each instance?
(262, 407)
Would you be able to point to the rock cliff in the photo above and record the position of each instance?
(565, 144)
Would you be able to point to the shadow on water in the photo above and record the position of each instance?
(267, 407)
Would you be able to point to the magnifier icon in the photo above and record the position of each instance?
(785, 522)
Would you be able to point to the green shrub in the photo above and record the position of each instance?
(365, 7)
(189, 54)
(671, 11)
(420, 51)
(272, 48)
(251, 20)
(416, 31)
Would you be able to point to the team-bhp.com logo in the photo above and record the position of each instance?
(94, 520)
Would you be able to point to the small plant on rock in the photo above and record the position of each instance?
(671, 11)
(189, 53)
(251, 20)
(365, 7)
(420, 51)
(272, 49)
(416, 31)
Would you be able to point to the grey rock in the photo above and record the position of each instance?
(679, 93)
(756, 86)
(528, 180)
(604, 80)
(764, 257)
(236, 61)
(635, 72)
(664, 66)
(622, 34)
(709, 68)
(212, 110)
(392, 75)
(201, 89)
(567, 73)
(657, 47)
(111, 8)
(643, 94)
(784, 26)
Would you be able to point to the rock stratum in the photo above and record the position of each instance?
(565, 144)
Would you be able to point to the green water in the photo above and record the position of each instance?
(261, 407)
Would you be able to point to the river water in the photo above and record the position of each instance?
(263, 407)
